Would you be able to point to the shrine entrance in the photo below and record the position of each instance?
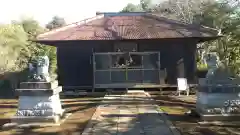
(126, 69)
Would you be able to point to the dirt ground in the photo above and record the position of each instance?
(82, 109)
(176, 109)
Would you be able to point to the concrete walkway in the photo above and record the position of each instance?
(133, 113)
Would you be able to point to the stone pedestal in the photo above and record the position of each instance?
(218, 102)
(218, 97)
(38, 102)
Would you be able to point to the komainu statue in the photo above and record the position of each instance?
(39, 69)
(212, 61)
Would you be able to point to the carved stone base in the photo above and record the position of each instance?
(39, 102)
(215, 102)
(219, 117)
(38, 85)
(222, 104)
(39, 112)
(35, 121)
(40, 119)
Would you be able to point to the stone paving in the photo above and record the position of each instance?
(129, 114)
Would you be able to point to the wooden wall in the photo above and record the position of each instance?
(75, 65)
(171, 53)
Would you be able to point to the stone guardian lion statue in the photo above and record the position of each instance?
(39, 69)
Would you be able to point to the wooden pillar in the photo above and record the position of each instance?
(189, 58)
(181, 68)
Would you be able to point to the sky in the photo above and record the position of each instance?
(70, 10)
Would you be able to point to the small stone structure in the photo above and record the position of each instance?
(39, 103)
(218, 97)
(38, 69)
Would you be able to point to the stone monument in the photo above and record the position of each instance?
(39, 70)
(39, 100)
(212, 61)
(218, 97)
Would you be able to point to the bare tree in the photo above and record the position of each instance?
(182, 10)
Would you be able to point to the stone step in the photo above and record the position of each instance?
(74, 93)
(38, 85)
(44, 111)
(219, 117)
(135, 91)
(34, 119)
(37, 124)
(38, 92)
(38, 119)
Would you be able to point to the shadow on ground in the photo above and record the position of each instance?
(188, 125)
(81, 113)
(83, 109)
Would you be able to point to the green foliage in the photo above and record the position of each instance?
(13, 40)
(223, 15)
(55, 23)
(145, 5)
(53, 60)
(201, 66)
(226, 18)
(33, 29)
(181, 10)
(132, 8)
(51, 53)
(17, 49)
(30, 26)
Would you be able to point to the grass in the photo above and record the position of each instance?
(82, 109)
(175, 109)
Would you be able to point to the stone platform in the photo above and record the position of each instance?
(218, 102)
(39, 104)
(132, 113)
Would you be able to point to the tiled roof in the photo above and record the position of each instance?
(146, 26)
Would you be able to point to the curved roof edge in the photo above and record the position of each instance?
(70, 25)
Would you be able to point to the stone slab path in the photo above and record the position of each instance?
(133, 113)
